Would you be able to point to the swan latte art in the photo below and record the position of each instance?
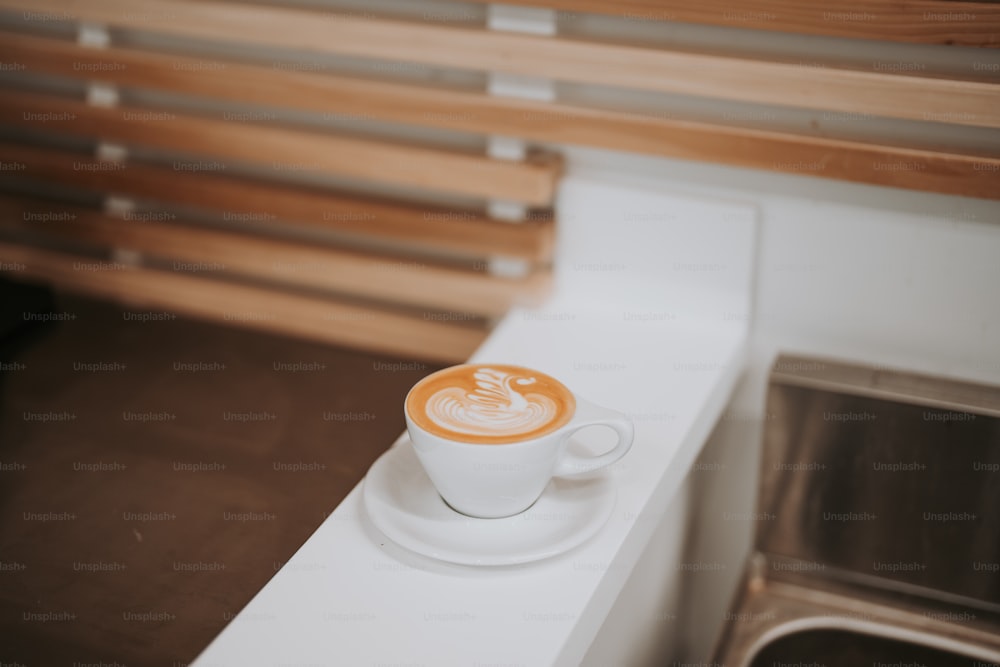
(492, 436)
(490, 404)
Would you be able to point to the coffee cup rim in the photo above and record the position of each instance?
(412, 423)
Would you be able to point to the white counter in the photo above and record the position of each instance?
(666, 351)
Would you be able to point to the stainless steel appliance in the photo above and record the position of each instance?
(878, 523)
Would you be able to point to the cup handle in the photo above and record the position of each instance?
(588, 414)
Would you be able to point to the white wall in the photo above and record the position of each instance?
(906, 279)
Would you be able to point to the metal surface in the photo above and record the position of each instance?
(777, 622)
(878, 522)
(888, 479)
(845, 648)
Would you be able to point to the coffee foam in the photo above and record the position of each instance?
(489, 404)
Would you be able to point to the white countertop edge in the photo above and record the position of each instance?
(659, 500)
(717, 354)
(728, 341)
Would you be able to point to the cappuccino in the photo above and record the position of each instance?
(490, 404)
(451, 414)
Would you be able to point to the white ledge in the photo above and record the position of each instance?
(349, 596)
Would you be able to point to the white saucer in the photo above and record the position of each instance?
(403, 504)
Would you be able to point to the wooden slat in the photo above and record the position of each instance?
(891, 95)
(286, 149)
(271, 310)
(898, 166)
(586, 61)
(426, 228)
(921, 21)
(400, 280)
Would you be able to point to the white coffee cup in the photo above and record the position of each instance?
(492, 436)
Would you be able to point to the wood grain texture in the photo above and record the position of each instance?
(419, 228)
(918, 21)
(250, 306)
(404, 281)
(948, 22)
(585, 61)
(285, 149)
(893, 95)
(939, 170)
(974, 175)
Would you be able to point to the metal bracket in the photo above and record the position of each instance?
(529, 20)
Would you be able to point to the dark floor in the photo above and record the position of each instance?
(154, 475)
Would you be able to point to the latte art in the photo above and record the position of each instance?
(490, 404)
(496, 407)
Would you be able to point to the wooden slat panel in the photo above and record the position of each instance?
(428, 228)
(723, 77)
(532, 181)
(271, 310)
(403, 281)
(897, 166)
(921, 21)
(891, 95)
